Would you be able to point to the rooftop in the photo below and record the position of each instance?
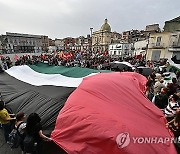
(177, 19)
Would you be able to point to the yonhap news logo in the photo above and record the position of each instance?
(124, 139)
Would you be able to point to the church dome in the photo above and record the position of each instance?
(106, 27)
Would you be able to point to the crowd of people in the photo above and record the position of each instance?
(166, 96)
(84, 59)
(29, 134)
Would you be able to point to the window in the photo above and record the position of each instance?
(158, 43)
(15, 42)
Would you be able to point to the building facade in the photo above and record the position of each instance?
(174, 45)
(78, 44)
(51, 42)
(69, 43)
(120, 50)
(158, 46)
(59, 43)
(102, 38)
(152, 28)
(133, 36)
(140, 47)
(45, 43)
(172, 25)
(21, 43)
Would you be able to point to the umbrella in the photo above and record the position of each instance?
(121, 65)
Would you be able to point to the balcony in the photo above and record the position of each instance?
(174, 49)
(157, 45)
(175, 45)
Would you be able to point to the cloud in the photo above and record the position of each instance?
(63, 18)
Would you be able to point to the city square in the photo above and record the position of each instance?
(89, 77)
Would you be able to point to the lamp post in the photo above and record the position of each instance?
(91, 39)
(91, 31)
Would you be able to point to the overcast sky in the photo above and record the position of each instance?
(64, 18)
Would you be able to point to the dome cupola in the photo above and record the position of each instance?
(106, 27)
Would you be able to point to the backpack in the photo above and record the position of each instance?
(15, 138)
(30, 144)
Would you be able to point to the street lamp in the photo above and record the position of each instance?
(91, 31)
(91, 38)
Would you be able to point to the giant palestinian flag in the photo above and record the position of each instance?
(106, 113)
(75, 72)
(25, 89)
(92, 114)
